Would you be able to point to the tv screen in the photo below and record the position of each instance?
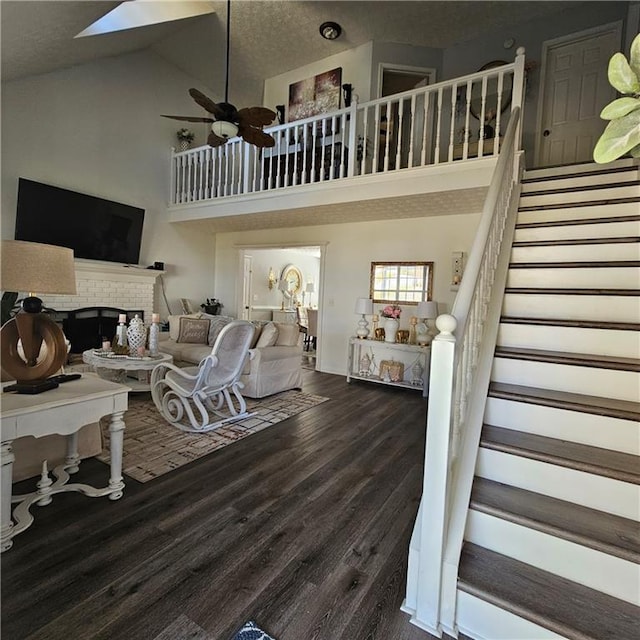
(94, 228)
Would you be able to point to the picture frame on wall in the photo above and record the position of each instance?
(315, 95)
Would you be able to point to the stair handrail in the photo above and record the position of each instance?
(459, 352)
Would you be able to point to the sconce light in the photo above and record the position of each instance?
(347, 89)
(272, 278)
(330, 30)
(280, 111)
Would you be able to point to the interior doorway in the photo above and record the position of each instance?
(573, 90)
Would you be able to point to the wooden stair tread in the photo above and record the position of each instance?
(572, 291)
(576, 242)
(565, 607)
(572, 189)
(563, 357)
(598, 530)
(603, 264)
(577, 324)
(578, 174)
(572, 455)
(576, 222)
(575, 205)
(609, 407)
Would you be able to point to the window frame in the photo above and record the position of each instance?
(427, 288)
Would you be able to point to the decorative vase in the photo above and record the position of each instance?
(391, 326)
(136, 335)
(183, 145)
(154, 331)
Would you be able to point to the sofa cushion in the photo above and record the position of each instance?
(288, 335)
(268, 336)
(174, 323)
(216, 323)
(193, 331)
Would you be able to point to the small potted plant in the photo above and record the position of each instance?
(185, 138)
(212, 306)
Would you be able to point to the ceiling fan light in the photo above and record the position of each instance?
(330, 30)
(224, 129)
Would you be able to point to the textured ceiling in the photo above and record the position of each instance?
(268, 37)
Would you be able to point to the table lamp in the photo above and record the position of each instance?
(42, 268)
(310, 290)
(428, 310)
(364, 306)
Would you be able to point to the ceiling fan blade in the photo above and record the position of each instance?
(189, 118)
(215, 141)
(206, 103)
(256, 137)
(256, 116)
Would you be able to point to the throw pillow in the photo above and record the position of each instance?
(216, 323)
(174, 324)
(193, 331)
(268, 336)
(288, 335)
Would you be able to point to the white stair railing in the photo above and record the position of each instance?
(429, 125)
(460, 366)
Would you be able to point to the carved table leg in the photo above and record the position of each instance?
(72, 461)
(6, 527)
(116, 436)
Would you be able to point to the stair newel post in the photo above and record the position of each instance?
(434, 491)
(517, 98)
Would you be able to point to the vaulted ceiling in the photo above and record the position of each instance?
(268, 37)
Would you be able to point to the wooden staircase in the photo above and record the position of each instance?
(552, 541)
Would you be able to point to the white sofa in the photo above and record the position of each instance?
(275, 359)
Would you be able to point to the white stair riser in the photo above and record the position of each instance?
(575, 277)
(578, 182)
(593, 381)
(606, 193)
(577, 253)
(580, 213)
(585, 167)
(594, 569)
(604, 342)
(573, 426)
(480, 619)
(626, 229)
(572, 307)
(589, 490)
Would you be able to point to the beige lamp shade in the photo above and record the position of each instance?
(364, 306)
(427, 309)
(37, 268)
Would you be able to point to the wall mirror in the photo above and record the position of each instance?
(491, 105)
(403, 282)
(292, 276)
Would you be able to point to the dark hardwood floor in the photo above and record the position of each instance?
(303, 527)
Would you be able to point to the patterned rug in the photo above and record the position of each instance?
(152, 447)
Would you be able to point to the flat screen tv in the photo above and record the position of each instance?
(94, 228)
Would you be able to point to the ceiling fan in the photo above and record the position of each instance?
(227, 121)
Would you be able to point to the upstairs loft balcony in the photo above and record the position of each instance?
(434, 146)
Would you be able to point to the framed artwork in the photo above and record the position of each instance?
(405, 282)
(320, 94)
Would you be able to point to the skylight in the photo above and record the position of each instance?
(142, 13)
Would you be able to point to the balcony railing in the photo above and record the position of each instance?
(447, 122)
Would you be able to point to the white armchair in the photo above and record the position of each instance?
(206, 395)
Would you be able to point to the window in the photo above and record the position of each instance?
(406, 282)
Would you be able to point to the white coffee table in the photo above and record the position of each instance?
(134, 371)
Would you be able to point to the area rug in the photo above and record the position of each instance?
(251, 631)
(152, 447)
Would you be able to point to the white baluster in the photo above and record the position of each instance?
(438, 127)
(452, 126)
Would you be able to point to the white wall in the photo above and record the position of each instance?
(348, 253)
(96, 128)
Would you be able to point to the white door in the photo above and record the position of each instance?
(574, 89)
(246, 289)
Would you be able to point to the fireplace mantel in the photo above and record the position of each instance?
(89, 270)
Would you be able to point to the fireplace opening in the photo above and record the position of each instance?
(86, 328)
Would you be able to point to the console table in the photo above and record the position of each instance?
(409, 355)
(63, 411)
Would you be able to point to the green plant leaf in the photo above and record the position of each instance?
(634, 56)
(635, 152)
(620, 136)
(621, 76)
(619, 108)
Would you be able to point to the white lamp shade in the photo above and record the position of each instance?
(33, 267)
(364, 306)
(427, 309)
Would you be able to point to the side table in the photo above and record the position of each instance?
(63, 411)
